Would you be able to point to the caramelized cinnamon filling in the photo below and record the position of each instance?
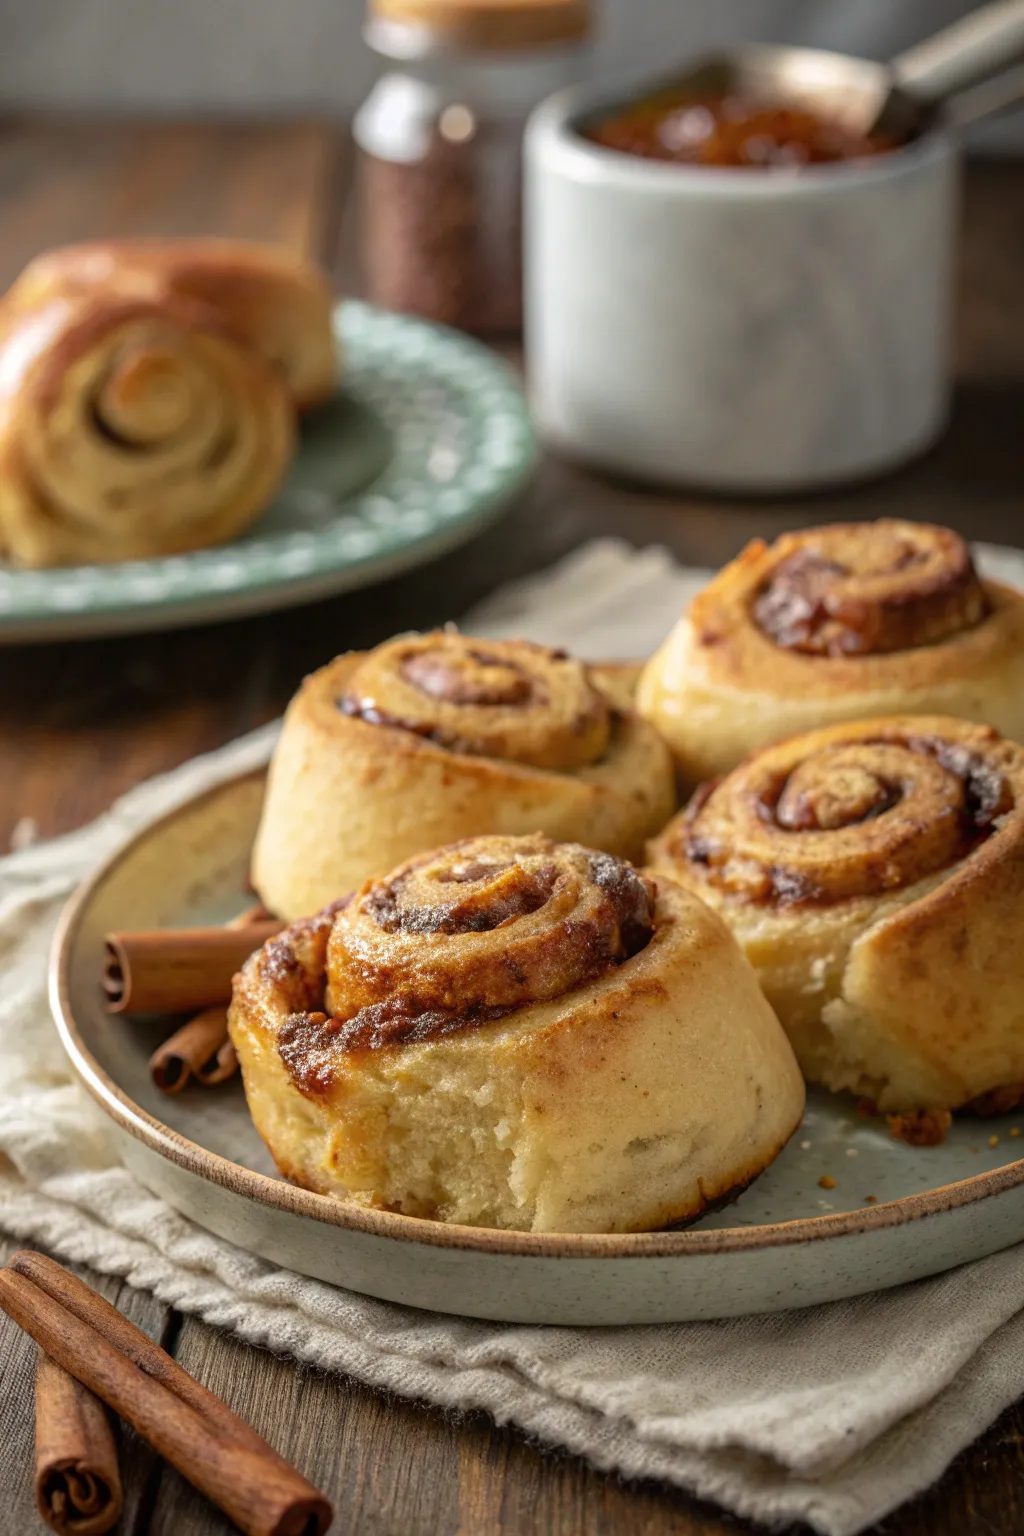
(851, 793)
(472, 678)
(987, 795)
(293, 963)
(501, 699)
(509, 892)
(365, 709)
(454, 940)
(308, 1041)
(852, 819)
(998, 1101)
(870, 589)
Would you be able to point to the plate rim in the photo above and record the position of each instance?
(293, 1200)
(255, 602)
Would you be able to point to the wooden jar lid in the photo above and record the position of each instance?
(489, 25)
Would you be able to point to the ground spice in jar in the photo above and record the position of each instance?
(441, 143)
(442, 239)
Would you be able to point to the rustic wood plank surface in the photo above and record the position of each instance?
(80, 723)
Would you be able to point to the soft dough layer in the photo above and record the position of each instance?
(834, 624)
(131, 428)
(434, 737)
(874, 875)
(516, 1033)
(274, 303)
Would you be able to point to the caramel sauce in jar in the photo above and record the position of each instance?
(730, 129)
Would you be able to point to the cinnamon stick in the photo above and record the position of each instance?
(173, 970)
(78, 1485)
(197, 1433)
(199, 1051)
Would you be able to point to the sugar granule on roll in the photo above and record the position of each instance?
(873, 874)
(430, 738)
(832, 624)
(517, 1033)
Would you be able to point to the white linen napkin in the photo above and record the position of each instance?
(833, 1415)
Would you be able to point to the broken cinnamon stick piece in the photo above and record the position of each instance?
(199, 1051)
(78, 1484)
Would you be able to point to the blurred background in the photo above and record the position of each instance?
(304, 56)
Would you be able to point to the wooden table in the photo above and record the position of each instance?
(81, 723)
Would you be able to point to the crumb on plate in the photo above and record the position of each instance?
(920, 1127)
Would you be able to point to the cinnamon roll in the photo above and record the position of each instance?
(832, 624)
(873, 873)
(275, 303)
(513, 1032)
(434, 737)
(131, 428)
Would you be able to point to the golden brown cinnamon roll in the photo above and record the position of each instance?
(836, 624)
(131, 428)
(874, 875)
(434, 737)
(513, 1032)
(268, 298)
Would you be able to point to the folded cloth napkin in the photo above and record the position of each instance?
(832, 1415)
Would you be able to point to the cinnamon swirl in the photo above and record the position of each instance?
(873, 873)
(270, 300)
(518, 1033)
(131, 428)
(434, 737)
(834, 624)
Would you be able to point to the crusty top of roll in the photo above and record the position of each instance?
(451, 940)
(862, 589)
(851, 606)
(506, 699)
(132, 426)
(277, 303)
(856, 810)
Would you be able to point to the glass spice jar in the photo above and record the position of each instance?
(441, 140)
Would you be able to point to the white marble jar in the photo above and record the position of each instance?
(738, 330)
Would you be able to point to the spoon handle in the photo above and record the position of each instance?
(982, 44)
(995, 95)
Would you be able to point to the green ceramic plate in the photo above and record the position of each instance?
(428, 439)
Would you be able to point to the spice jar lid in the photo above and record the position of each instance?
(409, 27)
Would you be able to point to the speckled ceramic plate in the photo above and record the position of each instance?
(427, 439)
(895, 1213)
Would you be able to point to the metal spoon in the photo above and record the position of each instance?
(969, 57)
